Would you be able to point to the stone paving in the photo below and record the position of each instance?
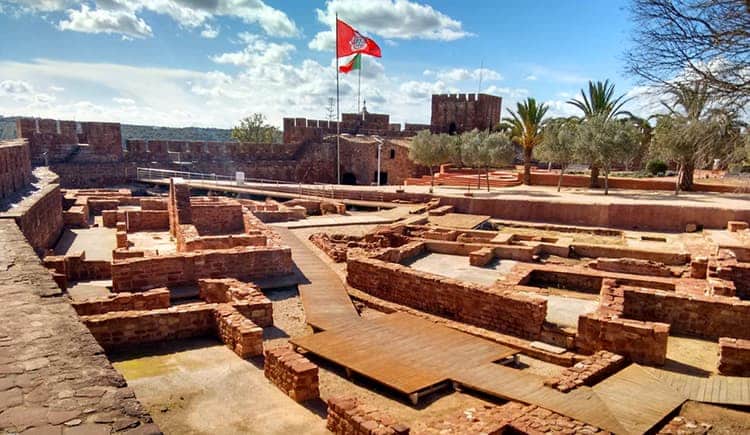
(54, 377)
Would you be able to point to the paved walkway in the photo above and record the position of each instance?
(53, 374)
(324, 297)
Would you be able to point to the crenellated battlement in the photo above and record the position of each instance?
(456, 113)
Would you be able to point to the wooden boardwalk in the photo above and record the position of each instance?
(404, 352)
(324, 297)
(722, 390)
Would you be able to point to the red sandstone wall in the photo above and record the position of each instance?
(242, 263)
(706, 316)
(294, 374)
(491, 308)
(734, 357)
(149, 300)
(642, 342)
(219, 216)
(40, 218)
(147, 220)
(15, 167)
(570, 180)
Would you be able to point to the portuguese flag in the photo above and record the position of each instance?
(354, 63)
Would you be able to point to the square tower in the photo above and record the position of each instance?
(457, 113)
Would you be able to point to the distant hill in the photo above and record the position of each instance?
(150, 132)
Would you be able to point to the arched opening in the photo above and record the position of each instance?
(393, 154)
(452, 129)
(348, 178)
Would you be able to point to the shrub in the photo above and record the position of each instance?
(655, 167)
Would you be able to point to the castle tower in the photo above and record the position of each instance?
(457, 113)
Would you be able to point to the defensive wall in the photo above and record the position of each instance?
(457, 113)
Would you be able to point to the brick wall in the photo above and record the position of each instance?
(186, 268)
(734, 357)
(40, 217)
(239, 333)
(76, 267)
(706, 316)
(591, 370)
(464, 112)
(294, 374)
(15, 166)
(119, 328)
(642, 342)
(245, 297)
(498, 309)
(148, 300)
(212, 216)
(146, 220)
(350, 416)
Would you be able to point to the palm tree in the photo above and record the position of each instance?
(600, 101)
(525, 126)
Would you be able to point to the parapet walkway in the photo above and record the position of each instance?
(324, 297)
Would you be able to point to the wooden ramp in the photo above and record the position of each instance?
(404, 352)
(459, 220)
(631, 401)
(722, 390)
(324, 297)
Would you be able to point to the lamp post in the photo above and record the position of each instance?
(380, 147)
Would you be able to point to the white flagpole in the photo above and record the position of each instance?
(359, 82)
(338, 114)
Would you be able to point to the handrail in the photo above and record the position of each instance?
(145, 174)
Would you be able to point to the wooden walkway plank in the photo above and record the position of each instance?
(726, 390)
(324, 297)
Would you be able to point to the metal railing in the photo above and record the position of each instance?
(150, 174)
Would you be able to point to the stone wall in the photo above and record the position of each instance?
(734, 357)
(15, 166)
(245, 297)
(457, 113)
(75, 267)
(498, 309)
(239, 333)
(216, 215)
(350, 416)
(146, 220)
(294, 374)
(148, 300)
(706, 316)
(591, 370)
(186, 268)
(641, 342)
(39, 216)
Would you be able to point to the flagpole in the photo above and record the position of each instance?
(359, 81)
(338, 114)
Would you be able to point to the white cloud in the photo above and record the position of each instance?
(391, 19)
(461, 74)
(106, 21)
(531, 77)
(56, 89)
(557, 75)
(124, 101)
(258, 52)
(111, 15)
(23, 92)
(209, 32)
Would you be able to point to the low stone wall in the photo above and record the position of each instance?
(216, 215)
(588, 372)
(631, 266)
(239, 333)
(497, 308)
(244, 297)
(606, 251)
(294, 374)
(186, 268)
(75, 267)
(734, 357)
(706, 316)
(148, 300)
(153, 203)
(15, 166)
(40, 217)
(146, 220)
(349, 416)
(76, 217)
(641, 342)
(509, 418)
(120, 328)
(735, 271)
(190, 241)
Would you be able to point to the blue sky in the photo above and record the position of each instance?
(211, 62)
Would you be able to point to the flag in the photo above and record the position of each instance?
(349, 41)
(354, 63)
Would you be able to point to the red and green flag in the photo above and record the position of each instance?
(354, 63)
(350, 41)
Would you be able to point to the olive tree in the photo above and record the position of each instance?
(559, 144)
(605, 142)
(483, 150)
(430, 150)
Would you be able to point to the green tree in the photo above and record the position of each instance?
(254, 129)
(430, 150)
(483, 150)
(695, 130)
(559, 144)
(600, 101)
(605, 142)
(525, 127)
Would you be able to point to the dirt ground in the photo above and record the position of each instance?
(723, 420)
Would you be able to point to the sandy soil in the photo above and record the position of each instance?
(723, 420)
